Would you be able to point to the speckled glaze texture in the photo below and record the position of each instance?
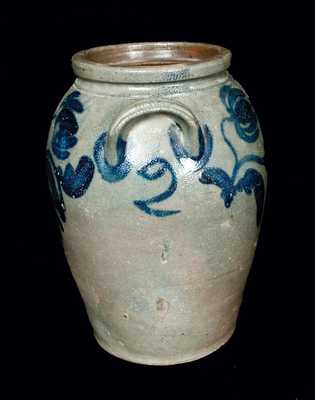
(156, 167)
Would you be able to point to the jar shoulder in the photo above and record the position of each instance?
(223, 111)
(200, 142)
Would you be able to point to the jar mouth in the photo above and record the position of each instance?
(150, 62)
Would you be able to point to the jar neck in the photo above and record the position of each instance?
(144, 90)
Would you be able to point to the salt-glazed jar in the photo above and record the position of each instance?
(156, 168)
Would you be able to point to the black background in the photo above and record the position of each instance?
(50, 343)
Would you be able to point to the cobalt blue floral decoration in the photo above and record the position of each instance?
(241, 113)
(76, 181)
(218, 177)
(73, 182)
(66, 126)
(246, 125)
(156, 164)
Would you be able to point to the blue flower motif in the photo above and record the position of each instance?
(247, 127)
(74, 182)
(66, 126)
(241, 113)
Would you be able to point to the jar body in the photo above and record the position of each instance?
(159, 228)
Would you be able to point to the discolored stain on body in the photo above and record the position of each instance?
(165, 252)
(162, 306)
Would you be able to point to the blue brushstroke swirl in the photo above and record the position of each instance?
(144, 172)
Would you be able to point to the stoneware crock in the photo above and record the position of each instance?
(156, 168)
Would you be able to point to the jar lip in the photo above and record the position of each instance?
(150, 62)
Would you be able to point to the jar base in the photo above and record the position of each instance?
(127, 356)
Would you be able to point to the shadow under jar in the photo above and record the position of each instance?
(156, 168)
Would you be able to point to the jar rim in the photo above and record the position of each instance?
(150, 62)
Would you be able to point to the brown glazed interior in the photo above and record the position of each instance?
(150, 62)
(152, 54)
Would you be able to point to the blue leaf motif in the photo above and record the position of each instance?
(216, 176)
(73, 103)
(75, 182)
(252, 181)
(61, 142)
(220, 178)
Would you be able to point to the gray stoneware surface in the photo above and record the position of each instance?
(158, 289)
